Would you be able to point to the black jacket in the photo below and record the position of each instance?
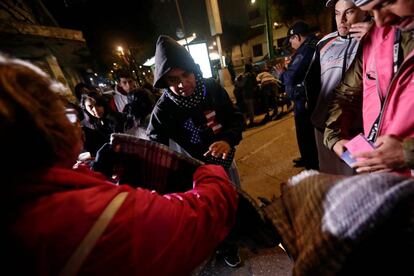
(168, 119)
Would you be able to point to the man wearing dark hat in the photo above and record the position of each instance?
(384, 91)
(335, 54)
(304, 42)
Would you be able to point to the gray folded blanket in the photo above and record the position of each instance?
(334, 225)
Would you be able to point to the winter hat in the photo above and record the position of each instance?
(168, 55)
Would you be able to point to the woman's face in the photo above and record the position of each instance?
(94, 109)
(181, 82)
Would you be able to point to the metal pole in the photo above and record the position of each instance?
(220, 51)
(269, 30)
(181, 22)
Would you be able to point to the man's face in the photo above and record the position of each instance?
(127, 84)
(295, 41)
(347, 14)
(392, 12)
(181, 82)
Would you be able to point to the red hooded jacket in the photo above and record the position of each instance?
(150, 234)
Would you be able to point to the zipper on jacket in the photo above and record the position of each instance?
(395, 69)
(345, 57)
(410, 56)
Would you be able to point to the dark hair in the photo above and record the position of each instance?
(148, 86)
(248, 67)
(140, 104)
(97, 97)
(299, 28)
(80, 89)
(34, 130)
(122, 74)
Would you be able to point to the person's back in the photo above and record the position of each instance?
(64, 221)
(249, 88)
(249, 84)
(265, 77)
(238, 93)
(137, 112)
(268, 91)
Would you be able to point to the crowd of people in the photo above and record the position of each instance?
(66, 219)
(261, 91)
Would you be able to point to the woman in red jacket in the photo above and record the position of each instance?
(61, 220)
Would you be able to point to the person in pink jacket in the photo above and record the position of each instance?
(59, 220)
(384, 70)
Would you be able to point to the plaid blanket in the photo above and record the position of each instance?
(332, 225)
(150, 165)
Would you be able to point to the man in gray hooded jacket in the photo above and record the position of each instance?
(336, 52)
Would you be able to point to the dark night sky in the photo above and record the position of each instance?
(138, 23)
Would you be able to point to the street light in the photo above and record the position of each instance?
(120, 50)
(128, 60)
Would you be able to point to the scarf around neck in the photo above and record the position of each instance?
(193, 100)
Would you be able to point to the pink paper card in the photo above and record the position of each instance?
(359, 144)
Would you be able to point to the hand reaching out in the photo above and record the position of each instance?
(218, 149)
(339, 148)
(387, 155)
(279, 68)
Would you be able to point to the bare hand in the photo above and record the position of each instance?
(219, 148)
(387, 155)
(339, 148)
(359, 30)
(279, 68)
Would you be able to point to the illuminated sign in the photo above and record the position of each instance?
(199, 52)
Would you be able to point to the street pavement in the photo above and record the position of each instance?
(264, 159)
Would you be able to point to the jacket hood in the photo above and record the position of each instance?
(168, 55)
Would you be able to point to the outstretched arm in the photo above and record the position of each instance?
(345, 107)
(178, 231)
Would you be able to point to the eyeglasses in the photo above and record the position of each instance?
(72, 115)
